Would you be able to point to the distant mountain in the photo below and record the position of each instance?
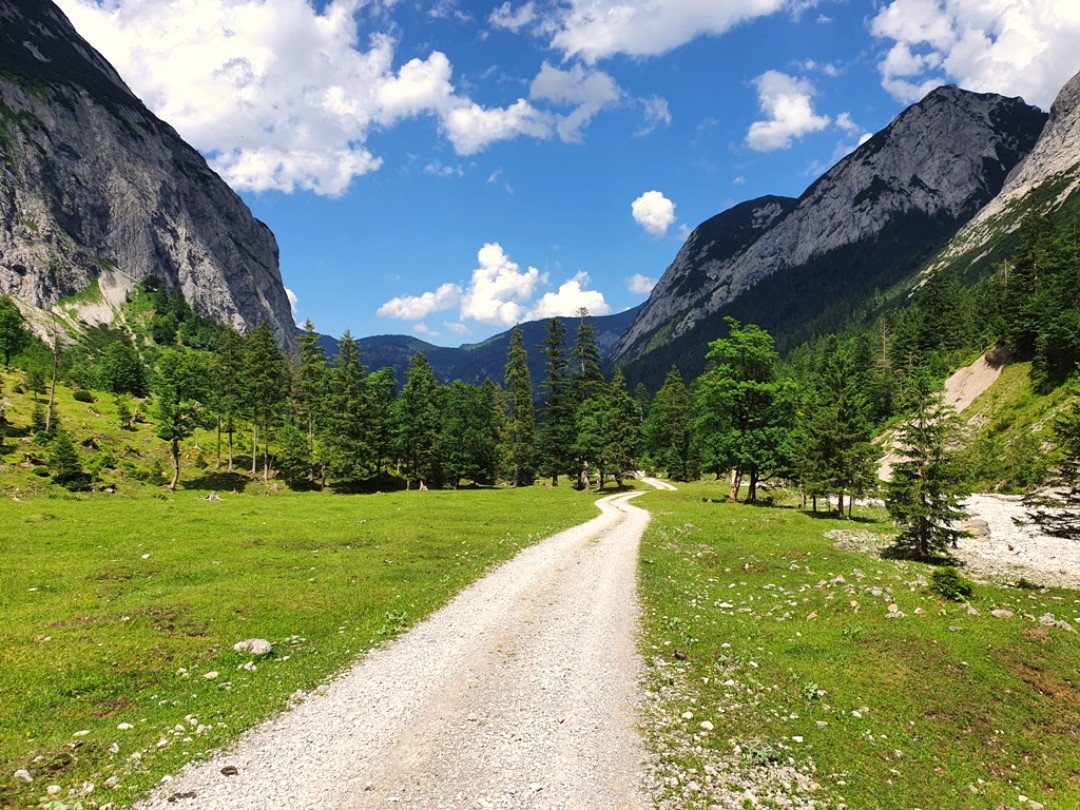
(475, 362)
(800, 267)
(95, 189)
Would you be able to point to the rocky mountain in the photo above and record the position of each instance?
(1046, 179)
(797, 266)
(475, 362)
(97, 191)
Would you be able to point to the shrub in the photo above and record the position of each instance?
(949, 583)
(82, 395)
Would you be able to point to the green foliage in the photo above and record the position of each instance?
(180, 393)
(122, 369)
(668, 430)
(1059, 514)
(948, 582)
(557, 418)
(14, 336)
(347, 420)
(82, 395)
(520, 426)
(927, 485)
(64, 462)
(419, 422)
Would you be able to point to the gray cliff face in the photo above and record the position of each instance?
(91, 183)
(909, 186)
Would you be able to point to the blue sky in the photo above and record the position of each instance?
(447, 168)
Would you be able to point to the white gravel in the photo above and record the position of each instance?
(658, 484)
(1013, 551)
(522, 692)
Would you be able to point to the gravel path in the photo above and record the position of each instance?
(521, 692)
(656, 483)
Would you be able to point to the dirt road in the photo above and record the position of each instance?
(521, 692)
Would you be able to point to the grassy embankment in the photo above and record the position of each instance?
(115, 609)
(938, 708)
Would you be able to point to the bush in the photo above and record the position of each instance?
(82, 395)
(949, 583)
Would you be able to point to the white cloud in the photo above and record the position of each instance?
(640, 285)
(499, 288)
(845, 122)
(292, 301)
(596, 29)
(657, 115)
(654, 212)
(424, 329)
(505, 16)
(415, 307)
(570, 297)
(786, 101)
(456, 328)
(440, 169)
(281, 96)
(589, 91)
(1015, 47)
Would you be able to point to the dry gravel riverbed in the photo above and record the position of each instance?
(522, 692)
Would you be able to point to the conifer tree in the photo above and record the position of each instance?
(294, 459)
(520, 439)
(350, 453)
(382, 389)
(927, 486)
(122, 370)
(264, 385)
(557, 418)
(623, 430)
(64, 462)
(668, 429)
(1059, 514)
(468, 441)
(588, 379)
(14, 336)
(591, 440)
(311, 383)
(227, 372)
(420, 421)
(180, 391)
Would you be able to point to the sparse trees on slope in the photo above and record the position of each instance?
(14, 336)
(1060, 515)
(520, 430)
(64, 462)
(927, 486)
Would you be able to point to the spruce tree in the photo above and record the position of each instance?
(311, 383)
(557, 418)
(668, 428)
(623, 430)
(420, 422)
(64, 462)
(124, 415)
(591, 439)
(294, 459)
(587, 377)
(927, 486)
(264, 386)
(350, 453)
(227, 373)
(520, 439)
(382, 389)
(122, 369)
(467, 446)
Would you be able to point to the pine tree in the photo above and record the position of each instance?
(668, 429)
(122, 369)
(557, 418)
(227, 372)
(520, 439)
(123, 413)
(420, 421)
(382, 389)
(927, 487)
(467, 446)
(64, 462)
(623, 432)
(587, 377)
(311, 384)
(294, 459)
(14, 336)
(179, 393)
(591, 439)
(348, 439)
(264, 386)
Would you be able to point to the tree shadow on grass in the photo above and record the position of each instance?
(895, 552)
(218, 482)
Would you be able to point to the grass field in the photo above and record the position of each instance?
(116, 609)
(756, 623)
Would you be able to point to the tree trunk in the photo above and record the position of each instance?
(217, 462)
(254, 449)
(230, 447)
(52, 388)
(751, 493)
(175, 465)
(736, 482)
(840, 503)
(266, 457)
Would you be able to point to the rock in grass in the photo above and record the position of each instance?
(255, 646)
(23, 775)
(1002, 613)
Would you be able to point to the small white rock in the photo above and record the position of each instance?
(23, 775)
(211, 675)
(124, 727)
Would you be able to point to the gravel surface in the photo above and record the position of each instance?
(1013, 551)
(658, 484)
(522, 692)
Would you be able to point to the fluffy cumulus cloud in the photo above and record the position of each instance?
(281, 96)
(587, 91)
(417, 307)
(1016, 47)
(596, 29)
(499, 293)
(639, 284)
(654, 212)
(569, 299)
(787, 103)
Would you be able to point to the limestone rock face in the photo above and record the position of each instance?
(93, 186)
(908, 188)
